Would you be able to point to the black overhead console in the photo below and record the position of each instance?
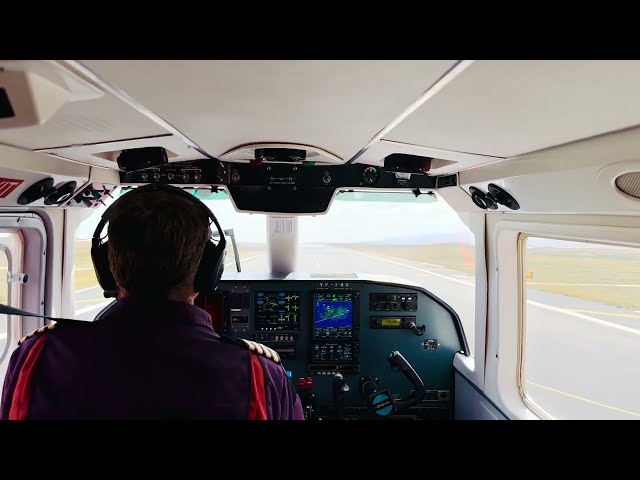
(281, 180)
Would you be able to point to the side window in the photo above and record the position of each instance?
(88, 295)
(580, 351)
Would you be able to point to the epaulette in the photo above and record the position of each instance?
(61, 322)
(262, 350)
(255, 347)
(46, 328)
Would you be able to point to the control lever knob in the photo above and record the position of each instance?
(339, 385)
(418, 330)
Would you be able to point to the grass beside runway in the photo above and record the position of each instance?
(573, 268)
(458, 257)
(85, 276)
(561, 271)
(578, 268)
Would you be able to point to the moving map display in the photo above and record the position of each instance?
(277, 311)
(333, 314)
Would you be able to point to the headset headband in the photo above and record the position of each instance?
(159, 187)
(211, 263)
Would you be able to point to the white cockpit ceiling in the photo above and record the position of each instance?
(336, 105)
(489, 111)
(494, 108)
(506, 108)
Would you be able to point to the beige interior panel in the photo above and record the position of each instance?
(91, 121)
(90, 115)
(506, 108)
(106, 154)
(336, 105)
(444, 161)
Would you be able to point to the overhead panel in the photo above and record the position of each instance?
(507, 108)
(336, 105)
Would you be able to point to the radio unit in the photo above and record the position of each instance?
(391, 322)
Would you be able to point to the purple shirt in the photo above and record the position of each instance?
(139, 363)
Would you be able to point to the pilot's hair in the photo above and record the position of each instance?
(156, 240)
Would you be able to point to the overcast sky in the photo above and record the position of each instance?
(359, 222)
(347, 221)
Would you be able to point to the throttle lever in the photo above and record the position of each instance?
(340, 387)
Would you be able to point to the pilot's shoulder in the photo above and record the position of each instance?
(254, 347)
(54, 326)
(37, 332)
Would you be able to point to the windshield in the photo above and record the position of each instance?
(394, 234)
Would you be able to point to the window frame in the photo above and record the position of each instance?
(522, 300)
(522, 326)
(504, 303)
(13, 293)
(31, 258)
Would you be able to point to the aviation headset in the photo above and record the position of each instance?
(211, 264)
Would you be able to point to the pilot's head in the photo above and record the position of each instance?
(156, 240)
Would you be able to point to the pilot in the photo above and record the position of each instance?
(154, 354)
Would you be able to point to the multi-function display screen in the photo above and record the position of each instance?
(277, 311)
(333, 314)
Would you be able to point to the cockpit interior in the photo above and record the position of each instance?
(415, 240)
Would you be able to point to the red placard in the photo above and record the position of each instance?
(8, 185)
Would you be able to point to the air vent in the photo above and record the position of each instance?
(447, 181)
(629, 183)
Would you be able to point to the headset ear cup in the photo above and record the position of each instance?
(100, 258)
(210, 268)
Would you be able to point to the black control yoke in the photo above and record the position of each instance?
(399, 364)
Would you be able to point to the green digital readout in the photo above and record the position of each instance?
(390, 322)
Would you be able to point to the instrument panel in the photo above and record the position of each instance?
(328, 331)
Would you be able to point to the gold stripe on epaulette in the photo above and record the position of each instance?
(262, 350)
(267, 351)
(259, 348)
(47, 327)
